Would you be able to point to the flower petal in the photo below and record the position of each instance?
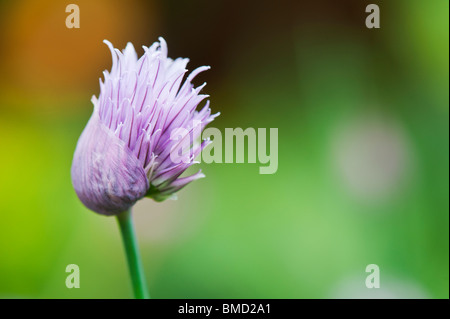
(106, 175)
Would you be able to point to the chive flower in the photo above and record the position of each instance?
(124, 152)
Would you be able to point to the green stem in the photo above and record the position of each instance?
(125, 221)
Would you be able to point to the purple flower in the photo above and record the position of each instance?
(125, 150)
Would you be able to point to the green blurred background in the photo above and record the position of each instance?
(362, 116)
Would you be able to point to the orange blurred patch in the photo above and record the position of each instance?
(43, 56)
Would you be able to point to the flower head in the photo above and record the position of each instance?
(124, 152)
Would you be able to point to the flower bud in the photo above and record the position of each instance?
(124, 152)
